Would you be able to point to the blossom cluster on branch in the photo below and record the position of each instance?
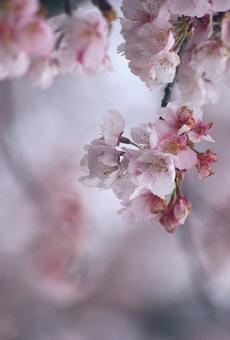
(147, 177)
(45, 48)
(182, 46)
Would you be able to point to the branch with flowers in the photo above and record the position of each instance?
(178, 45)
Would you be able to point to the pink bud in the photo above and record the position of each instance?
(182, 209)
(204, 163)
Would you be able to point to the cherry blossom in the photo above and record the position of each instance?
(23, 35)
(147, 176)
(102, 162)
(143, 208)
(152, 171)
(149, 41)
(113, 127)
(176, 214)
(80, 40)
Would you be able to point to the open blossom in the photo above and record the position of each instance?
(113, 127)
(143, 208)
(152, 171)
(102, 164)
(86, 34)
(209, 59)
(80, 40)
(149, 41)
(205, 160)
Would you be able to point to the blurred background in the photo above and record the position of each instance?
(70, 269)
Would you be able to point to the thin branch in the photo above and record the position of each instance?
(169, 88)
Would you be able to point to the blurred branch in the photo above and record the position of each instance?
(106, 8)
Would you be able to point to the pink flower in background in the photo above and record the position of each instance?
(23, 35)
(87, 36)
(35, 37)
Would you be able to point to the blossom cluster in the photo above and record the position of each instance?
(147, 176)
(45, 48)
(206, 62)
(153, 40)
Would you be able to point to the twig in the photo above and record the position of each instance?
(169, 88)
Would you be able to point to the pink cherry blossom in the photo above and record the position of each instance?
(113, 127)
(180, 118)
(102, 164)
(151, 171)
(183, 156)
(209, 59)
(35, 37)
(143, 208)
(86, 34)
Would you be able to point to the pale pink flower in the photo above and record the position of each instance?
(184, 158)
(151, 171)
(155, 37)
(35, 37)
(180, 118)
(113, 127)
(123, 187)
(102, 164)
(209, 59)
(205, 160)
(192, 88)
(143, 208)
(155, 70)
(141, 134)
(86, 33)
(143, 10)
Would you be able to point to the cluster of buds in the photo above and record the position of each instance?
(147, 176)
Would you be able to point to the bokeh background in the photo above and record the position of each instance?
(70, 269)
